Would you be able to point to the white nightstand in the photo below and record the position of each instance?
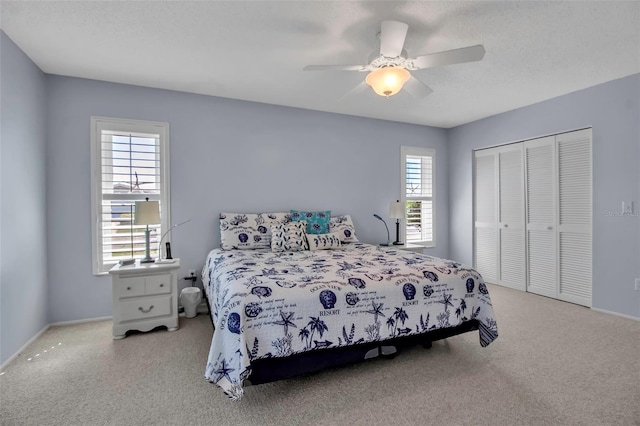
(411, 247)
(145, 296)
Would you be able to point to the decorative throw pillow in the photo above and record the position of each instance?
(344, 226)
(289, 237)
(317, 222)
(324, 241)
(248, 231)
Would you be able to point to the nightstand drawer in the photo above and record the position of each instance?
(158, 284)
(149, 307)
(130, 287)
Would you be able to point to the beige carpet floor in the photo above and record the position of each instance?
(554, 364)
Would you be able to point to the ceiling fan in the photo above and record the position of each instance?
(389, 69)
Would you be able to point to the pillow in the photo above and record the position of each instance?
(324, 241)
(248, 231)
(344, 226)
(289, 237)
(317, 222)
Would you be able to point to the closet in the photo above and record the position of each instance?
(532, 215)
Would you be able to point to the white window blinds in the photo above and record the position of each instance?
(130, 163)
(418, 195)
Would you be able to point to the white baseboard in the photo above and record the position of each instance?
(60, 323)
(19, 351)
(616, 314)
(82, 321)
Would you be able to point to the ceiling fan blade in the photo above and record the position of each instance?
(392, 35)
(356, 90)
(334, 68)
(417, 88)
(449, 57)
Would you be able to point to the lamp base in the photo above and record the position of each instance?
(162, 261)
(147, 252)
(397, 242)
(387, 244)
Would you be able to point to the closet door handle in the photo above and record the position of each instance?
(550, 228)
(506, 225)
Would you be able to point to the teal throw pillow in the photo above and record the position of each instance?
(317, 222)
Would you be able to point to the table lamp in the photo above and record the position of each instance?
(397, 212)
(167, 258)
(147, 213)
(388, 243)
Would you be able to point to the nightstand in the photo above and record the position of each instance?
(411, 247)
(145, 296)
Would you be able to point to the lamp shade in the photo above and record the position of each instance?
(387, 81)
(147, 213)
(397, 210)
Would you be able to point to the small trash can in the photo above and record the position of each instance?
(190, 298)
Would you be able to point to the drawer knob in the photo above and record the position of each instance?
(161, 285)
(128, 288)
(145, 311)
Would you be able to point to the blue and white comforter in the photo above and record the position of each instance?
(268, 304)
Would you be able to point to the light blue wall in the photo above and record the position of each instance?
(23, 256)
(613, 110)
(226, 155)
(236, 155)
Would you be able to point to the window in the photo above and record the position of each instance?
(129, 163)
(417, 177)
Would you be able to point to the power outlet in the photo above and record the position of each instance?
(638, 284)
(191, 276)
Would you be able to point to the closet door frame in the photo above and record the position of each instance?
(576, 241)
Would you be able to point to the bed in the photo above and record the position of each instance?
(286, 312)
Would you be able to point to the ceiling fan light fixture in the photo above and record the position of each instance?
(387, 81)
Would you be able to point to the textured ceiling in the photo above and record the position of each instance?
(256, 50)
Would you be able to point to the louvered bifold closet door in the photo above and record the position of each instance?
(486, 244)
(540, 176)
(512, 268)
(574, 210)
